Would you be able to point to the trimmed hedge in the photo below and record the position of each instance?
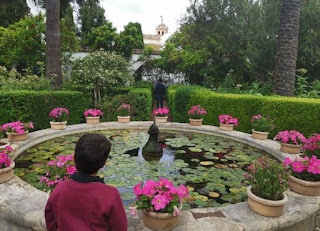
(144, 84)
(299, 114)
(144, 107)
(35, 106)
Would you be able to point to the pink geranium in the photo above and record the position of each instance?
(5, 160)
(17, 127)
(60, 169)
(124, 109)
(93, 112)
(227, 119)
(304, 168)
(290, 137)
(197, 112)
(59, 114)
(161, 111)
(159, 196)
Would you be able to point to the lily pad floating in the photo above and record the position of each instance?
(180, 151)
(220, 166)
(193, 149)
(206, 163)
(195, 160)
(214, 194)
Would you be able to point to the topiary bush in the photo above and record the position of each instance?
(144, 107)
(144, 84)
(35, 106)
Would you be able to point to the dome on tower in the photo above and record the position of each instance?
(162, 29)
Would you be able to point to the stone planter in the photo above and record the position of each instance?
(290, 148)
(161, 119)
(15, 137)
(58, 125)
(265, 207)
(260, 135)
(195, 122)
(160, 221)
(226, 127)
(4, 144)
(308, 188)
(123, 119)
(7, 174)
(93, 120)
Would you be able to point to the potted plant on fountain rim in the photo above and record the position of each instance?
(161, 203)
(268, 182)
(161, 115)
(261, 127)
(196, 115)
(6, 165)
(17, 131)
(304, 175)
(312, 146)
(124, 113)
(227, 122)
(59, 118)
(291, 141)
(93, 116)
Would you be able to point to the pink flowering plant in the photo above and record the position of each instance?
(161, 112)
(159, 196)
(228, 119)
(93, 113)
(5, 160)
(124, 109)
(17, 127)
(197, 112)
(312, 146)
(59, 170)
(304, 168)
(290, 137)
(268, 178)
(262, 124)
(59, 114)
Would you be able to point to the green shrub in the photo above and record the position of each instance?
(180, 105)
(35, 106)
(144, 84)
(289, 113)
(144, 107)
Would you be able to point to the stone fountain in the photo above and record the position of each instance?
(152, 150)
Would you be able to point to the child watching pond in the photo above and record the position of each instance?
(84, 202)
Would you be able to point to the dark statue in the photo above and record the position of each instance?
(152, 150)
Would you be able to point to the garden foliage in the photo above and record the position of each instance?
(36, 105)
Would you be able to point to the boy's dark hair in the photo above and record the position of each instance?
(91, 153)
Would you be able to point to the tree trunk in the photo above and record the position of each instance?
(53, 43)
(287, 51)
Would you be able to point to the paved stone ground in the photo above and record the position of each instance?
(22, 206)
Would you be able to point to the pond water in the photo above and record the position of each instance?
(211, 167)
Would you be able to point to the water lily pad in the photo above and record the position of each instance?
(195, 160)
(214, 194)
(206, 163)
(180, 151)
(192, 149)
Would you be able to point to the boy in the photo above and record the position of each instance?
(84, 202)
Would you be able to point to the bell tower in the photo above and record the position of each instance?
(161, 29)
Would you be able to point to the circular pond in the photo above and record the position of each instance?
(211, 167)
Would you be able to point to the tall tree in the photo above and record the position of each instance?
(12, 11)
(53, 43)
(287, 50)
(91, 15)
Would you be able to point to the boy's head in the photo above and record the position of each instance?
(91, 153)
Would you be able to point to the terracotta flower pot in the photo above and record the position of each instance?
(15, 137)
(93, 120)
(308, 188)
(160, 221)
(123, 119)
(260, 135)
(58, 125)
(265, 207)
(290, 148)
(226, 127)
(7, 174)
(161, 119)
(195, 122)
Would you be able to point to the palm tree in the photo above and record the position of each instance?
(53, 43)
(287, 50)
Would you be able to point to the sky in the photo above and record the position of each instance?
(146, 12)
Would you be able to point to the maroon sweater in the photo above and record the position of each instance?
(76, 206)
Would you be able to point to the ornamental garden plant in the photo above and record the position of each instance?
(197, 112)
(261, 126)
(161, 112)
(6, 164)
(59, 114)
(93, 116)
(17, 131)
(312, 146)
(227, 122)
(305, 175)
(59, 170)
(124, 110)
(268, 180)
(291, 141)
